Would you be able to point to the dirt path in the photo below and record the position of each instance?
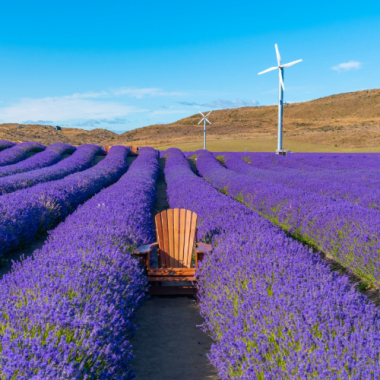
(168, 345)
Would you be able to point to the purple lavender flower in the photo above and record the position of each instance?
(5, 144)
(80, 160)
(19, 152)
(274, 308)
(39, 208)
(67, 312)
(51, 155)
(343, 230)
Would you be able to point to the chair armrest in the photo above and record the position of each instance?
(200, 250)
(143, 254)
(203, 247)
(144, 249)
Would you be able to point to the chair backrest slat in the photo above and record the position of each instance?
(176, 233)
(160, 238)
(182, 223)
(192, 238)
(187, 237)
(165, 246)
(171, 237)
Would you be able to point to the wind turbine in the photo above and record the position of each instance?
(204, 130)
(281, 97)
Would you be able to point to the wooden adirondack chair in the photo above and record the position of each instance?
(176, 241)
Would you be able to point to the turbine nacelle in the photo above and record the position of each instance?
(280, 67)
(205, 117)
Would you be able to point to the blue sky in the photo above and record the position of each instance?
(120, 65)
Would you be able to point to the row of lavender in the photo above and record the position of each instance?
(81, 159)
(68, 312)
(346, 181)
(16, 153)
(5, 144)
(51, 155)
(275, 309)
(26, 212)
(361, 186)
(318, 161)
(343, 230)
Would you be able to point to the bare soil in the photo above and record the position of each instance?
(168, 344)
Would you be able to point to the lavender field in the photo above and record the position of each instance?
(274, 306)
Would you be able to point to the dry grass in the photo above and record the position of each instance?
(344, 122)
(264, 145)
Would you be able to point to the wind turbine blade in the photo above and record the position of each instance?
(270, 69)
(209, 113)
(281, 81)
(291, 63)
(201, 121)
(207, 121)
(201, 114)
(278, 55)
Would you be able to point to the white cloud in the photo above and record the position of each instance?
(223, 104)
(88, 95)
(41, 122)
(351, 65)
(64, 108)
(84, 109)
(141, 92)
(93, 122)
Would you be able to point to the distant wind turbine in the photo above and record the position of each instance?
(281, 96)
(205, 123)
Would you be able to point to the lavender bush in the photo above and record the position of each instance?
(67, 313)
(28, 211)
(51, 155)
(352, 185)
(81, 159)
(317, 161)
(274, 308)
(5, 144)
(344, 231)
(350, 170)
(19, 152)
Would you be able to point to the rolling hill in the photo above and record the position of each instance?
(346, 121)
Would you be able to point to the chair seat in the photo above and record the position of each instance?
(171, 271)
(170, 278)
(171, 274)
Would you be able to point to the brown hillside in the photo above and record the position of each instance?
(346, 120)
(49, 135)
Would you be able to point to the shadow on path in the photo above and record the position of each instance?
(168, 344)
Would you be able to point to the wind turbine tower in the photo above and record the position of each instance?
(204, 130)
(281, 90)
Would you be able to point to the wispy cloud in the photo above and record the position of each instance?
(223, 104)
(64, 108)
(351, 65)
(84, 109)
(94, 122)
(141, 92)
(41, 122)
